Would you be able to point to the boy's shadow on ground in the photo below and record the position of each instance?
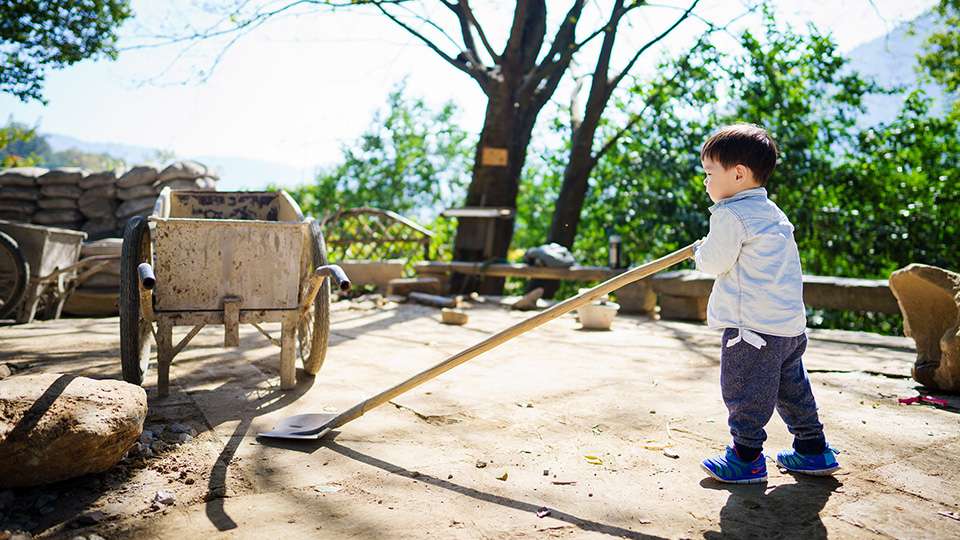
(791, 510)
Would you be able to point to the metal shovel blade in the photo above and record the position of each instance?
(302, 426)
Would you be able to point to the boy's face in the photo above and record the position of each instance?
(724, 183)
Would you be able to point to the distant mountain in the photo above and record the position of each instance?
(892, 60)
(130, 154)
(236, 173)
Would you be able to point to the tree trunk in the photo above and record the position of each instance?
(512, 109)
(573, 193)
(576, 176)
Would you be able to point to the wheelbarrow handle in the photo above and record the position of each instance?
(331, 270)
(338, 275)
(148, 280)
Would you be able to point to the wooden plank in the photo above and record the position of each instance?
(577, 273)
(433, 300)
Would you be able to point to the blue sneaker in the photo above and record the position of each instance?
(818, 465)
(728, 468)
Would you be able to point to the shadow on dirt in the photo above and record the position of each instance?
(583, 524)
(789, 510)
(266, 403)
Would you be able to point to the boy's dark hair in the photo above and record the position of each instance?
(746, 144)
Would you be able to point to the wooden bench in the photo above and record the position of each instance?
(682, 294)
(638, 297)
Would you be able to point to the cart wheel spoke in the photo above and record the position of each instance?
(14, 275)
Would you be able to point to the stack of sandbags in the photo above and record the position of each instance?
(19, 193)
(98, 203)
(188, 175)
(138, 188)
(137, 192)
(58, 198)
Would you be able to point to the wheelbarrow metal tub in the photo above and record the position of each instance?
(52, 256)
(225, 258)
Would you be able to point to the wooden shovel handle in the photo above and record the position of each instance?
(507, 334)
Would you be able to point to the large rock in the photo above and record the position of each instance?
(55, 427)
(929, 299)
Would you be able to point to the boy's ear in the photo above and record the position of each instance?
(741, 173)
(744, 174)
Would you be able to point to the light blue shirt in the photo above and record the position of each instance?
(759, 284)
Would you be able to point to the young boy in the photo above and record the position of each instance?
(757, 301)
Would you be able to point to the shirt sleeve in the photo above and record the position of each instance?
(719, 251)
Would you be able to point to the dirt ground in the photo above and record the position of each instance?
(559, 433)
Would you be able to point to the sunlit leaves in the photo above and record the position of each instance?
(37, 35)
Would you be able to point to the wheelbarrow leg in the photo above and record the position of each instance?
(164, 355)
(231, 321)
(28, 309)
(288, 368)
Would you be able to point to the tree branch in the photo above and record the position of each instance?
(561, 52)
(467, 20)
(616, 80)
(575, 118)
(474, 70)
(653, 95)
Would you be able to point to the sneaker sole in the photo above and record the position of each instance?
(713, 475)
(811, 472)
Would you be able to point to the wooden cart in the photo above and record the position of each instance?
(225, 258)
(39, 267)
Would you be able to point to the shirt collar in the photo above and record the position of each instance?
(753, 192)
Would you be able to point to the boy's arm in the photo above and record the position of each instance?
(719, 251)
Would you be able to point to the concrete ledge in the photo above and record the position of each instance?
(821, 292)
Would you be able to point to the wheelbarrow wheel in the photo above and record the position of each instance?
(134, 329)
(314, 330)
(14, 275)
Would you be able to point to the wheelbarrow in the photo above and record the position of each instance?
(39, 267)
(224, 258)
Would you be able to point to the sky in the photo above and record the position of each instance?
(297, 88)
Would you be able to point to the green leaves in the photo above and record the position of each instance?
(36, 36)
(864, 201)
(412, 160)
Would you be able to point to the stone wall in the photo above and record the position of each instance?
(99, 203)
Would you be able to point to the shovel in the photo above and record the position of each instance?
(315, 426)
